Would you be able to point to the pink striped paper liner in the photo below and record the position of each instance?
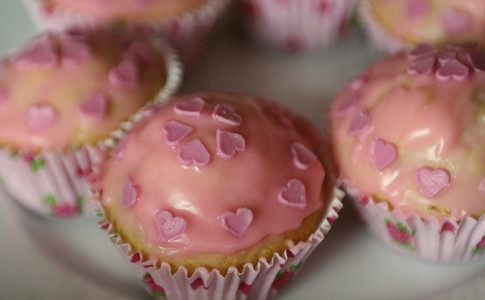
(430, 239)
(188, 33)
(298, 25)
(261, 281)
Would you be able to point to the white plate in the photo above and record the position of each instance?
(42, 259)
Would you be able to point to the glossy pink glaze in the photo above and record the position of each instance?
(428, 130)
(229, 204)
(56, 91)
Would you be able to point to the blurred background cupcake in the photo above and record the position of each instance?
(297, 25)
(409, 137)
(62, 96)
(397, 24)
(217, 195)
(186, 23)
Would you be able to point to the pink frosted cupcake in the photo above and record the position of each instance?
(61, 97)
(186, 23)
(218, 196)
(398, 24)
(297, 25)
(409, 137)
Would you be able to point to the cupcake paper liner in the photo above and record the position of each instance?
(380, 38)
(188, 33)
(435, 241)
(260, 281)
(298, 25)
(56, 183)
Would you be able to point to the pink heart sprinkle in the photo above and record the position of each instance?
(126, 74)
(359, 123)
(194, 153)
(40, 52)
(456, 22)
(174, 132)
(446, 56)
(417, 8)
(237, 223)
(96, 106)
(293, 194)
(421, 66)
(119, 150)
(452, 69)
(382, 154)
(169, 227)
(72, 52)
(141, 52)
(131, 193)
(190, 107)
(40, 116)
(227, 114)
(347, 104)
(481, 186)
(432, 181)
(303, 157)
(477, 60)
(228, 143)
(422, 51)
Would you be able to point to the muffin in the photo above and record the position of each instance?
(61, 97)
(398, 24)
(297, 25)
(217, 194)
(409, 138)
(186, 24)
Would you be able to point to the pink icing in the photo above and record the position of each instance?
(303, 157)
(228, 143)
(227, 114)
(40, 117)
(417, 8)
(3, 95)
(481, 186)
(194, 153)
(217, 200)
(174, 132)
(424, 124)
(456, 22)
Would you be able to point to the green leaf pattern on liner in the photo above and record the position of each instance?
(49, 200)
(37, 164)
(80, 204)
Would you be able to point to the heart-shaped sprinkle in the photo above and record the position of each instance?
(452, 69)
(382, 154)
(119, 150)
(227, 114)
(446, 56)
(40, 52)
(347, 104)
(359, 123)
(131, 193)
(190, 107)
(125, 75)
(421, 66)
(96, 105)
(431, 182)
(417, 8)
(303, 157)
(72, 52)
(481, 186)
(477, 60)
(194, 153)
(40, 117)
(422, 51)
(293, 194)
(169, 227)
(174, 132)
(141, 52)
(456, 22)
(237, 223)
(228, 143)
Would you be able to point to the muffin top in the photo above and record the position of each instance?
(211, 173)
(69, 89)
(411, 132)
(433, 21)
(126, 10)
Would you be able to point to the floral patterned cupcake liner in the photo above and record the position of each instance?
(381, 39)
(261, 281)
(56, 183)
(298, 25)
(188, 33)
(429, 239)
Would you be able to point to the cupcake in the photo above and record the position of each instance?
(217, 195)
(186, 23)
(418, 181)
(297, 25)
(398, 24)
(61, 97)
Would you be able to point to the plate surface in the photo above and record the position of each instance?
(43, 259)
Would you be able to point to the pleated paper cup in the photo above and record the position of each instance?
(430, 239)
(57, 183)
(261, 281)
(188, 33)
(298, 25)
